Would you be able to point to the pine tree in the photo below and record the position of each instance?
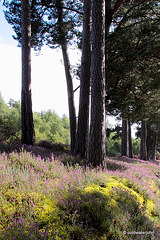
(96, 152)
(28, 135)
(83, 117)
(63, 43)
(125, 138)
(143, 150)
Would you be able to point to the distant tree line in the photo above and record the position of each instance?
(47, 124)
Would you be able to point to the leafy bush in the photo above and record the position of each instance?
(136, 146)
(10, 121)
(113, 146)
(51, 127)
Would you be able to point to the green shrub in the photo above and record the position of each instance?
(113, 146)
(10, 121)
(136, 146)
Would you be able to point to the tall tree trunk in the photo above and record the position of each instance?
(71, 106)
(108, 21)
(130, 139)
(143, 150)
(28, 134)
(154, 145)
(125, 138)
(149, 143)
(83, 118)
(96, 150)
(72, 112)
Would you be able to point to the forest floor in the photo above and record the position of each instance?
(46, 193)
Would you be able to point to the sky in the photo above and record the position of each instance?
(49, 89)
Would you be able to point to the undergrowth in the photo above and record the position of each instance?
(46, 199)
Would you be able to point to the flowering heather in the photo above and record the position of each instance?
(43, 198)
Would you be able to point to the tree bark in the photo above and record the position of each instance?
(154, 145)
(125, 138)
(83, 118)
(149, 143)
(72, 112)
(28, 134)
(63, 43)
(130, 140)
(143, 150)
(96, 150)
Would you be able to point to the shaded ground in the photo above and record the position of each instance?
(46, 149)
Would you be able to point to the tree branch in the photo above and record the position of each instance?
(3, 2)
(76, 89)
(67, 8)
(116, 7)
(125, 16)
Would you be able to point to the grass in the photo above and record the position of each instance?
(51, 198)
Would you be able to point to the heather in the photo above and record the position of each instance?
(53, 197)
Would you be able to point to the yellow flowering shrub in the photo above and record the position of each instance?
(150, 206)
(115, 184)
(28, 204)
(43, 209)
(153, 186)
